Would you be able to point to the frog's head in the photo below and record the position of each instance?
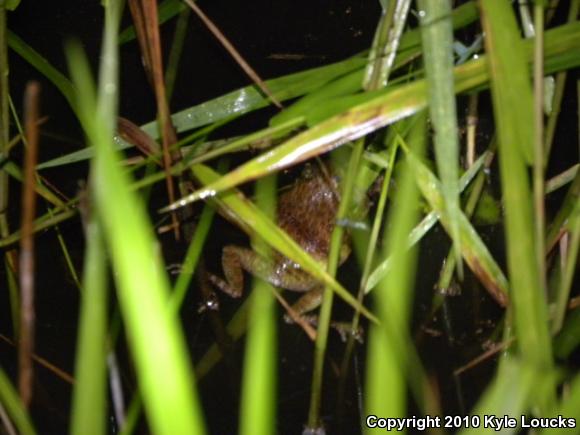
(324, 171)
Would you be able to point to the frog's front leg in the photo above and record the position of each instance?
(282, 274)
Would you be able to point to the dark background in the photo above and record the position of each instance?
(324, 31)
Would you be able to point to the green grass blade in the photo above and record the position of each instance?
(12, 404)
(163, 369)
(154, 336)
(89, 406)
(373, 110)
(559, 85)
(508, 395)
(166, 10)
(192, 257)
(120, 144)
(351, 83)
(258, 400)
(247, 99)
(176, 51)
(569, 408)
(15, 172)
(509, 73)
(461, 16)
(42, 223)
(542, 94)
(476, 198)
(345, 85)
(236, 328)
(563, 178)
(561, 43)
(385, 44)
(377, 56)
(325, 312)
(566, 210)
(510, 89)
(43, 66)
(294, 85)
(568, 339)
(233, 104)
(437, 33)
(388, 366)
(425, 225)
(473, 249)
(248, 217)
(318, 139)
(563, 292)
(260, 138)
(11, 4)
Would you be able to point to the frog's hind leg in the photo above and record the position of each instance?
(236, 259)
(297, 313)
(233, 264)
(308, 302)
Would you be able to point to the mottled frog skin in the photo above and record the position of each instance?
(307, 212)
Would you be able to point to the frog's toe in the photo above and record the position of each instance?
(345, 330)
(224, 286)
(291, 318)
(211, 303)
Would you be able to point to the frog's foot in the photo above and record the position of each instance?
(310, 319)
(226, 287)
(454, 289)
(234, 260)
(345, 330)
(174, 268)
(211, 303)
(312, 300)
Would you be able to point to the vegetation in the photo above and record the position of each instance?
(386, 120)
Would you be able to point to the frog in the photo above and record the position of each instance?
(306, 211)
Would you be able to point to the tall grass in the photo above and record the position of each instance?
(156, 340)
(377, 110)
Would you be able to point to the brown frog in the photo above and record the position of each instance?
(307, 212)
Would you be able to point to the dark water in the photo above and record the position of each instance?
(324, 31)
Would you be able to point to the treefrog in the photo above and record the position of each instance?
(307, 212)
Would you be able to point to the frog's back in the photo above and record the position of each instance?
(307, 212)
